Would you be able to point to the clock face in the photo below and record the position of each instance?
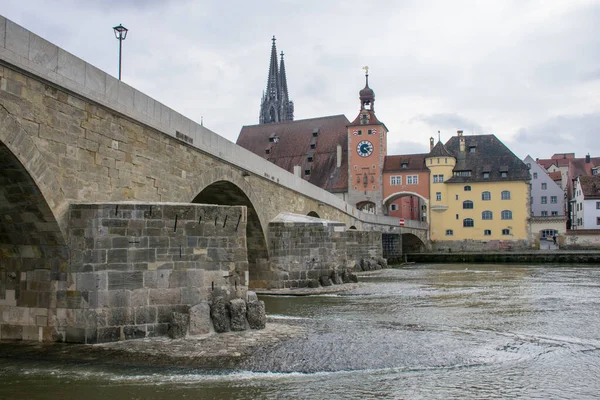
(364, 148)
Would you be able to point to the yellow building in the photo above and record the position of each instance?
(479, 195)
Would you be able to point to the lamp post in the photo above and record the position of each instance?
(275, 141)
(120, 34)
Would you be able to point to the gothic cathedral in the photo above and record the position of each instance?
(276, 105)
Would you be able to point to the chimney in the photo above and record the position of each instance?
(459, 133)
(431, 143)
(587, 158)
(297, 170)
(338, 156)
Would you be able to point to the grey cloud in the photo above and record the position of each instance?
(565, 133)
(448, 121)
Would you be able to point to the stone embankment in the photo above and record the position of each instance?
(521, 257)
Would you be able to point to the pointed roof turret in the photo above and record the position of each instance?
(275, 105)
(439, 150)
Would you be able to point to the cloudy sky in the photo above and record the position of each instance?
(527, 71)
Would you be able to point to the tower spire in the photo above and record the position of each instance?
(275, 104)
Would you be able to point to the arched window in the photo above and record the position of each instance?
(449, 232)
(468, 223)
(467, 188)
(506, 214)
(505, 195)
(487, 215)
(506, 231)
(486, 195)
(467, 204)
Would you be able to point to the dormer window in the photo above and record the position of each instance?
(313, 143)
(309, 157)
(268, 151)
(364, 118)
(404, 165)
(472, 149)
(307, 172)
(315, 133)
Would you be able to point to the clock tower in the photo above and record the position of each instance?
(367, 149)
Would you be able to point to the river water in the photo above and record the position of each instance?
(418, 332)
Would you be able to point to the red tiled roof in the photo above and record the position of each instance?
(414, 162)
(295, 138)
(590, 186)
(555, 176)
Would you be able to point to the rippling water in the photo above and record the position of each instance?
(424, 332)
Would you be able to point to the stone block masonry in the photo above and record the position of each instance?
(305, 251)
(132, 265)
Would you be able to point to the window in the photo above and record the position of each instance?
(267, 151)
(467, 188)
(544, 213)
(472, 149)
(370, 132)
(486, 175)
(404, 165)
(486, 195)
(456, 216)
(506, 231)
(467, 204)
(396, 180)
(449, 232)
(505, 195)
(438, 196)
(553, 199)
(598, 205)
(544, 199)
(544, 186)
(528, 165)
(438, 178)
(468, 223)
(394, 207)
(435, 179)
(359, 132)
(456, 197)
(412, 180)
(309, 158)
(554, 213)
(595, 171)
(506, 214)
(597, 220)
(315, 133)
(535, 175)
(487, 215)
(503, 174)
(462, 173)
(313, 145)
(487, 232)
(307, 172)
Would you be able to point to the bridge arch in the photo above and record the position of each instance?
(31, 241)
(313, 214)
(397, 195)
(222, 191)
(412, 244)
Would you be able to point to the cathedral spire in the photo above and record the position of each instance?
(275, 105)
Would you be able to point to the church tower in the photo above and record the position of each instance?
(367, 148)
(276, 105)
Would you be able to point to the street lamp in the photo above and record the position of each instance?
(120, 34)
(275, 141)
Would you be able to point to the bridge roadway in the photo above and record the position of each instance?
(70, 133)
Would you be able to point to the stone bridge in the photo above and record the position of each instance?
(93, 171)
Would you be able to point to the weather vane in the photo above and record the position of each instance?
(366, 68)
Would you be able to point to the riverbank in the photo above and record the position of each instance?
(512, 257)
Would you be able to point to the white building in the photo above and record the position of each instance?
(586, 203)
